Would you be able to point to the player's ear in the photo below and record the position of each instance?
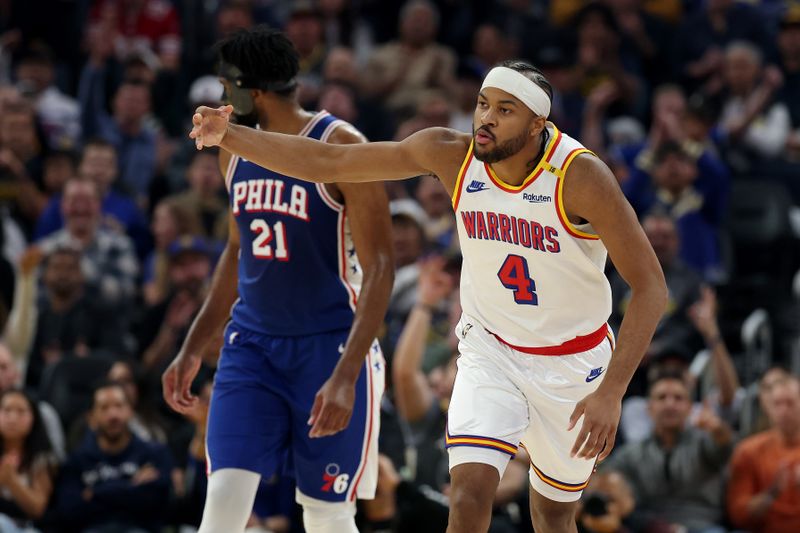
(537, 125)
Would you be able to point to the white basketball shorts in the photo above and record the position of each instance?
(504, 398)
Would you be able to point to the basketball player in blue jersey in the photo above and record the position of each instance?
(300, 368)
(537, 215)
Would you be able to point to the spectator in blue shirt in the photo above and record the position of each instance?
(99, 164)
(114, 482)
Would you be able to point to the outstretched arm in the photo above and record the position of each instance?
(615, 222)
(438, 151)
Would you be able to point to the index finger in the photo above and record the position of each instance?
(584, 433)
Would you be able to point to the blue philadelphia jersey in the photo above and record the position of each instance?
(298, 269)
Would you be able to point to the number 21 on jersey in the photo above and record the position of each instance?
(262, 241)
(514, 275)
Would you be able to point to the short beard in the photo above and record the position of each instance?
(501, 151)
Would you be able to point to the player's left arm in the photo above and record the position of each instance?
(370, 225)
(591, 193)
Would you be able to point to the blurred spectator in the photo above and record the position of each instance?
(467, 86)
(125, 127)
(764, 487)
(22, 151)
(58, 113)
(108, 259)
(489, 48)
(206, 199)
(696, 202)
(165, 325)
(789, 49)
(60, 166)
(114, 481)
(433, 110)
(170, 221)
(99, 165)
(145, 423)
(704, 34)
(27, 465)
(141, 27)
(399, 72)
(207, 91)
(645, 37)
(304, 29)
(606, 504)
(434, 200)
(752, 121)
(677, 473)
(683, 284)
(69, 321)
(10, 379)
(600, 58)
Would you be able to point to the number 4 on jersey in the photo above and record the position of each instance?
(514, 275)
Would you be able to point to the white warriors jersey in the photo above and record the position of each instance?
(530, 276)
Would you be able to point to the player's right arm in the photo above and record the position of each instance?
(437, 151)
(215, 312)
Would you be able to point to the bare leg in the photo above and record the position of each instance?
(472, 489)
(552, 517)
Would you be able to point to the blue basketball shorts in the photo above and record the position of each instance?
(263, 392)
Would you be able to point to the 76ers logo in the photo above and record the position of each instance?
(332, 479)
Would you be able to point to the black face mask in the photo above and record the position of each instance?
(238, 91)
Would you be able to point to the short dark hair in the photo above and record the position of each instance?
(106, 383)
(667, 374)
(530, 72)
(263, 54)
(98, 142)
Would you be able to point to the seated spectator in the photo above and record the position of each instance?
(10, 379)
(27, 464)
(764, 486)
(114, 481)
(165, 325)
(170, 221)
(99, 165)
(409, 243)
(58, 113)
(400, 72)
(304, 29)
(752, 120)
(69, 321)
(696, 202)
(434, 200)
(206, 198)
(108, 258)
(683, 284)
(145, 422)
(677, 473)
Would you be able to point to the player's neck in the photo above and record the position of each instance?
(287, 118)
(513, 170)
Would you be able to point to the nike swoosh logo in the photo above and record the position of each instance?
(479, 188)
(593, 377)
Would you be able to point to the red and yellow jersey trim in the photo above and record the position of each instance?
(544, 164)
(479, 442)
(562, 213)
(460, 179)
(560, 485)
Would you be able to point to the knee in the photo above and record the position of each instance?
(471, 501)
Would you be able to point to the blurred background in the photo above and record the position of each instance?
(111, 223)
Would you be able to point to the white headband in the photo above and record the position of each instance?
(520, 87)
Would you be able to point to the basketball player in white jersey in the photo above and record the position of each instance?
(536, 213)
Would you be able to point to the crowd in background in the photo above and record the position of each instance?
(111, 222)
